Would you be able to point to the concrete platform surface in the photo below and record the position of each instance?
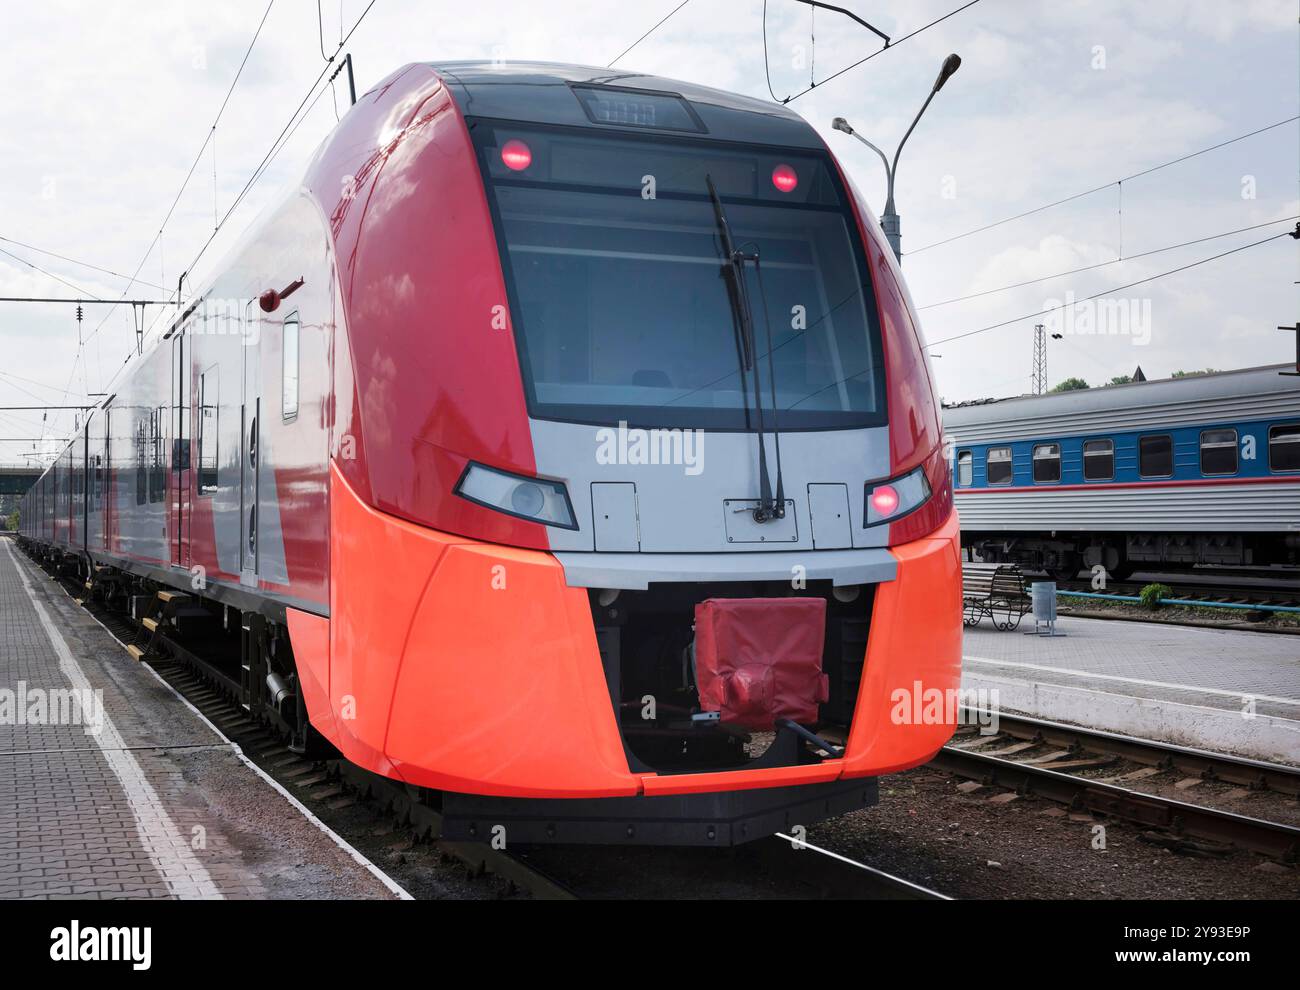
(111, 786)
(1228, 690)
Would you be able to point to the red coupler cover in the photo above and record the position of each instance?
(760, 659)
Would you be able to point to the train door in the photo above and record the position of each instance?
(180, 472)
(250, 419)
(83, 490)
(105, 475)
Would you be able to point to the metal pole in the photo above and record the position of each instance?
(890, 222)
(1040, 359)
(352, 83)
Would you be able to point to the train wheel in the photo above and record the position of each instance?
(1121, 571)
(1068, 570)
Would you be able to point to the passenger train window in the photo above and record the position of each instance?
(1156, 456)
(998, 465)
(1219, 452)
(289, 369)
(965, 469)
(1284, 448)
(1047, 463)
(1098, 460)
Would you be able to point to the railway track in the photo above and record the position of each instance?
(811, 870)
(1014, 758)
(842, 878)
(338, 784)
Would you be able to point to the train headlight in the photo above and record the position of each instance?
(535, 499)
(893, 499)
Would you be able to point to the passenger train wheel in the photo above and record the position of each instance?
(1066, 571)
(1121, 571)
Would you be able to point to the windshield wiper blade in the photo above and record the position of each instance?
(771, 376)
(733, 271)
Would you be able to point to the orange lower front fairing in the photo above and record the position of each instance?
(473, 667)
(465, 666)
(913, 654)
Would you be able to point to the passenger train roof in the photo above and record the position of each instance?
(542, 92)
(1145, 396)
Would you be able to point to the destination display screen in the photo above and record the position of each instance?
(637, 108)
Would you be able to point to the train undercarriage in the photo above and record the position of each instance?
(235, 645)
(1063, 555)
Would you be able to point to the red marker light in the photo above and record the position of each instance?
(885, 500)
(785, 178)
(516, 155)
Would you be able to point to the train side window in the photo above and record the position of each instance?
(965, 469)
(1047, 463)
(1284, 448)
(1099, 460)
(1156, 456)
(997, 465)
(209, 412)
(1219, 452)
(289, 369)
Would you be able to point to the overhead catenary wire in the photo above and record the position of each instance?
(848, 68)
(157, 239)
(1101, 188)
(643, 37)
(48, 274)
(1038, 314)
(295, 121)
(1105, 264)
(1120, 288)
(202, 148)
(85, 302)
(74, 261)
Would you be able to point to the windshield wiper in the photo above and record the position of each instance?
(733, 272)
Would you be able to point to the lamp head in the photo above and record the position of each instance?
(950, 66)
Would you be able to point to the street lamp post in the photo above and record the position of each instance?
(889, 220)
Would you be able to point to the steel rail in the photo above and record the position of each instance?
(1271, 839)
(1279, 778)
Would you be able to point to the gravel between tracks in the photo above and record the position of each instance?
(927, 830)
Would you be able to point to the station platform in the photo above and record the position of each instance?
(1229, 691)
(113, 787)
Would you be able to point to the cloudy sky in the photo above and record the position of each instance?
(107, 105)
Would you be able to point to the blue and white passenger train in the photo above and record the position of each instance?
(1171, 473)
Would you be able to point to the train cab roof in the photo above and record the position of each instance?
(586, 96)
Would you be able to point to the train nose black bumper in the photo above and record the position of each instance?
(726, 818)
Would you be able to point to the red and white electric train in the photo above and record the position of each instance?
(458, 443)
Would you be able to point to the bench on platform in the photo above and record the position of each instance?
(993, 590)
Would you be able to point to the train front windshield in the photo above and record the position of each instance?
(610, 247)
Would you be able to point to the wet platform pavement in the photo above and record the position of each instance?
(112, 786)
